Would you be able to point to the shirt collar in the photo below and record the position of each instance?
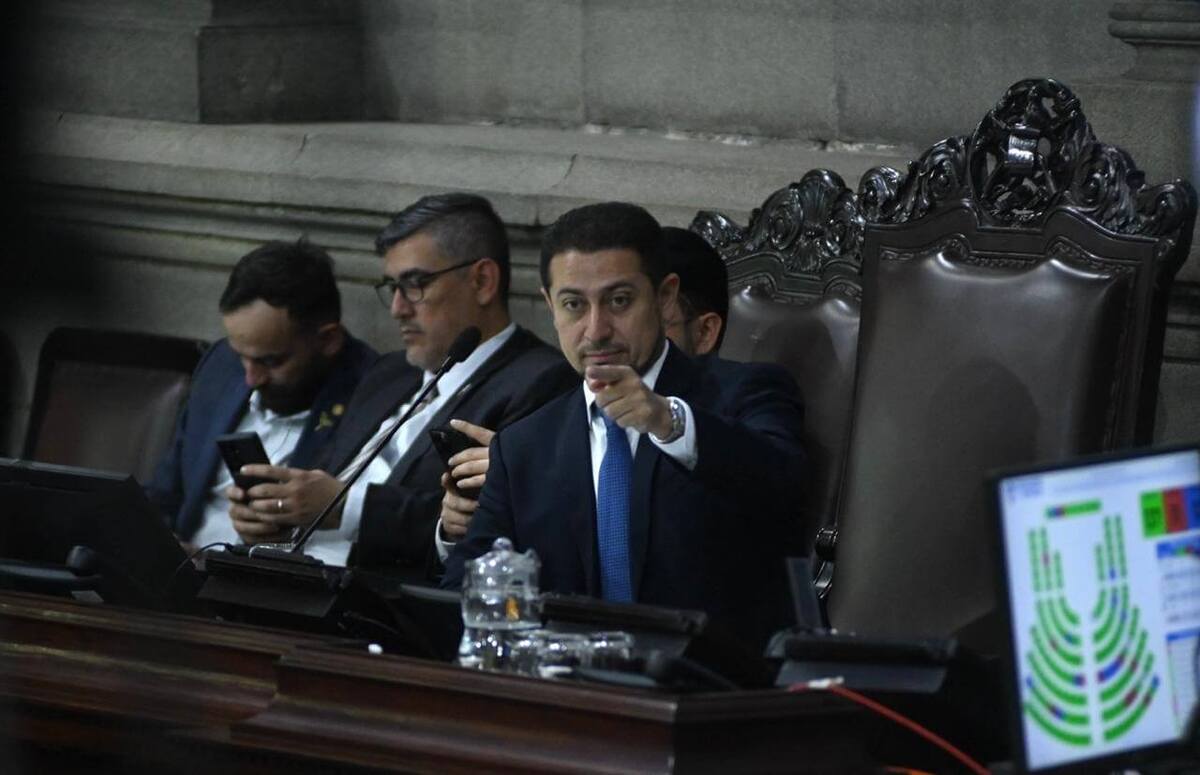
(649, 378)
(255, 407)
(458, 374)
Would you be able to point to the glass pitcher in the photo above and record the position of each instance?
(500, 600)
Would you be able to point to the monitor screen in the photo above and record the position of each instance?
(46, 509)
(1102, 572)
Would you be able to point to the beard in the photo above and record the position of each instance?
(285, 400)
(289, 399)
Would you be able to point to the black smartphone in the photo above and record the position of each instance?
(449, 442)
(239, 449)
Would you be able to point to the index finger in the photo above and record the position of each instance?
(279, 473)
(609, 373)
(476, 432)
(467, 455)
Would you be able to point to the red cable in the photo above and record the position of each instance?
(903, 721)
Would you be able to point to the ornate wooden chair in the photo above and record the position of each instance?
(108, 399)
(1014, 293)
(794, 300)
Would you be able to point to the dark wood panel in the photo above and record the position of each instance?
(100, 689)
(164, 669)
(395, 712)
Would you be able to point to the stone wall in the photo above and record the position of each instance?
(162, 140)
(874, 71)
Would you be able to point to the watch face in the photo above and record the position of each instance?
(678, 418)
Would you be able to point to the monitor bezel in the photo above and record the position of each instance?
(1012, 693)
(140, 527)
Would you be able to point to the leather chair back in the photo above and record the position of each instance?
(794, 300)
(1014, 304)
(108, 399)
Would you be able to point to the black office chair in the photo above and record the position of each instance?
(108, 399)
(795, 292)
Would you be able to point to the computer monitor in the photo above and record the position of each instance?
(46, 510)
(1101, 585)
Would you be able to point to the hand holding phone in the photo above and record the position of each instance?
(239, 449)
(449, 442)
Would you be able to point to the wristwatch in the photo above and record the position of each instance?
(678, 421)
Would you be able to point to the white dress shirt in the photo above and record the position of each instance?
(279, 434)
(334, 545)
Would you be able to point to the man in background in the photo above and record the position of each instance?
(285, 370)
(445, 268)
(696, 323)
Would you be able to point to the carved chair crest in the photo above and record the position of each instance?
(1033, 154)
(802, 243)
(1030, 189)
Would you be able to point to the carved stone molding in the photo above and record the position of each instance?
(804, 241)
(1165, 34)
(234, 61)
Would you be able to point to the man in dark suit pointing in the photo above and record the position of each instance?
(446, 268)
(663, 479)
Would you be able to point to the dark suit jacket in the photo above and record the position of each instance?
(400, 515)
(216, 403)
(713, 538)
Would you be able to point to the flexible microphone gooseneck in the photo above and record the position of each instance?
(463, 346)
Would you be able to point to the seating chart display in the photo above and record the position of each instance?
(1103, 574)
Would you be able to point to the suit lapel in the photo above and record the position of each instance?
(327, 408)
(673, 380)
(227, 411)
(574, 460)
(518, 343)
(375, 409)
(645, 462)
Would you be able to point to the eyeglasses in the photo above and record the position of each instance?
(411, 285)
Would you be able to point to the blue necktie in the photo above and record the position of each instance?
(612, 515)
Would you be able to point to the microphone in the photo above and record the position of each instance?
(460, 349)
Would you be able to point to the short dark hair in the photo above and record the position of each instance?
(703, 279)
(606, 226)
(464, 226)
(296, 276)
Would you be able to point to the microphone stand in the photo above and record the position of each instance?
(294, 553)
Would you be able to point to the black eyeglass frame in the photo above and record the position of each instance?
(412, 284)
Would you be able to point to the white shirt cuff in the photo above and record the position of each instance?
(683, 449)
(443, 547)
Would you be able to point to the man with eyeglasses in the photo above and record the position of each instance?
(285, 371)
(446, 268)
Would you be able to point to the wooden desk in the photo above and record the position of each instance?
(146, 690)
